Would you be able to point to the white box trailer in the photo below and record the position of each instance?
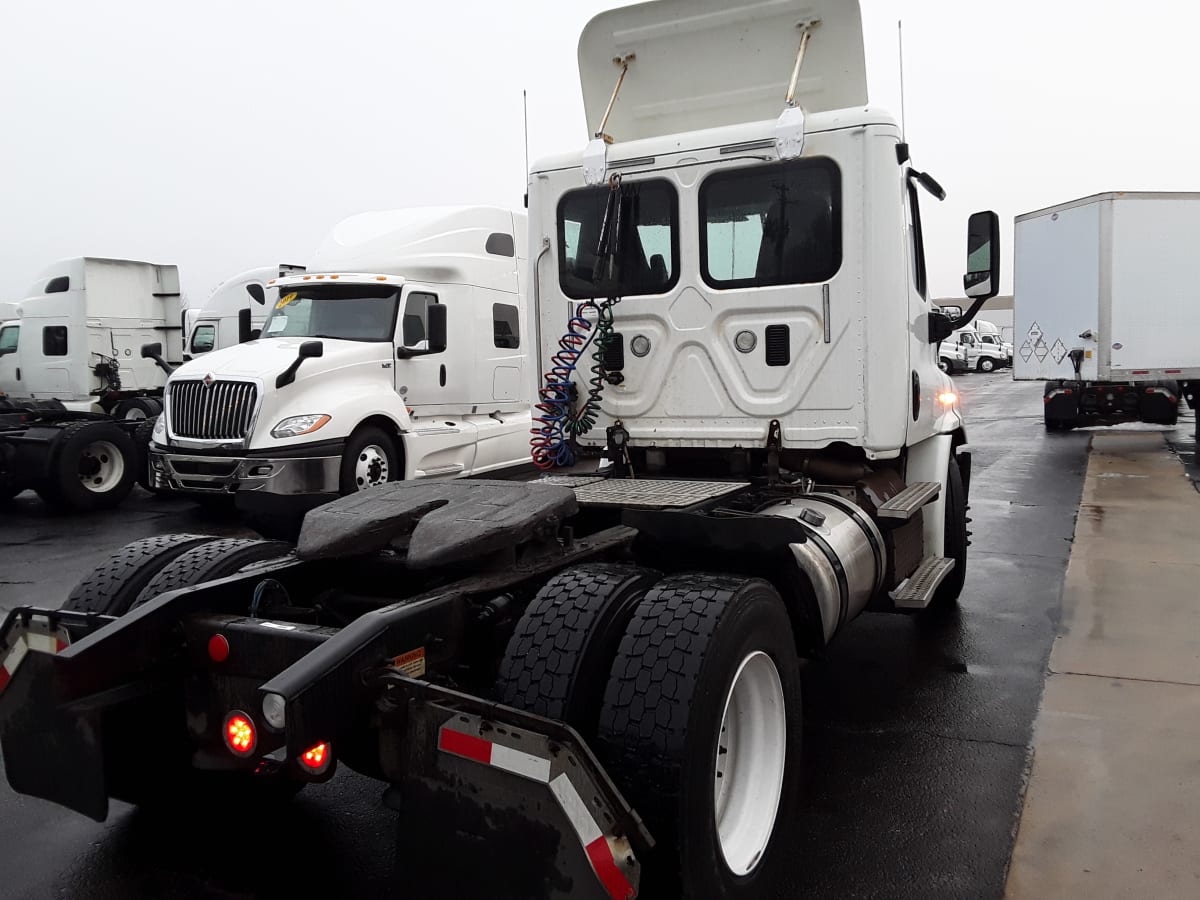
(1106, 309)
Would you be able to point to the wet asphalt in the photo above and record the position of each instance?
(917, 731)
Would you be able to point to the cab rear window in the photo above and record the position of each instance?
(637, 254)
(779, 223)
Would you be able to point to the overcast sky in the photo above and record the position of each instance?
(235, 133)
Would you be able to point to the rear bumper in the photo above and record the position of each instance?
(313, 470)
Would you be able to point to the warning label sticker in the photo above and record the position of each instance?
(411, 663)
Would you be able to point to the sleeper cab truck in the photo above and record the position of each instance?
(400, 354)
(75, 386)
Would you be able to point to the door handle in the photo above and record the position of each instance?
(442, 375)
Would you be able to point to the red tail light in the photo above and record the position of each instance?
(316, 759)
(239, 733)
(218, 648)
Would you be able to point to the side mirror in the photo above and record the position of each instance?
(154, 352)
(983, 256)
(952, 311)
(308, 350)
(436, 325)
(255, 290)
(245, 329)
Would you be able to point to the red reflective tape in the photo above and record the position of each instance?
(466, 745)
(5, 678)
(613, 879)
(60, 645)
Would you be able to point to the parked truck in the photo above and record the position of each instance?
(74, 383)
(398, 354)
(1103, 312)
(235, 311)
(594, 674)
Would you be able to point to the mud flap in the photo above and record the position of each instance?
(52, 749)
(512, 794)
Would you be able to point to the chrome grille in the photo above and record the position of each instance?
(220, 411)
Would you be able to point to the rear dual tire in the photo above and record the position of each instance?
(701, 729)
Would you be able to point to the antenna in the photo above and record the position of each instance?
(900, 37)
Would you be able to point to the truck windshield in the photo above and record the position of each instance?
(349, 312)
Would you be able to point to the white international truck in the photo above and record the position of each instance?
(400, 354)
(1104, 311)
(75, 383)
(235, 311)
(594, 674)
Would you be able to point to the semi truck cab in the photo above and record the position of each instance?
(399, 355)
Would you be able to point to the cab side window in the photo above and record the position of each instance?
(204, 338)
(506, 332)
(8, 339)
(54, 340)
(416, 318)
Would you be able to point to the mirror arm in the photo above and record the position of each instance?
(969, 316)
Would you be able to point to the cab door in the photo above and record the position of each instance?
(10, 363)
(436, 386)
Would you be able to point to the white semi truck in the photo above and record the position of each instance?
(75, 384)
(235, 311)
(594, 674)
(401, 354)
(1104, 311)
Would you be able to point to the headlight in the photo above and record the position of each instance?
(159, 435)
(295, 426)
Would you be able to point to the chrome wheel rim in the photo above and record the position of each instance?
(371, 467)
(751, 758)
(101, 467)
(135, 415)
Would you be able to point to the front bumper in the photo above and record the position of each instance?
(316, 471)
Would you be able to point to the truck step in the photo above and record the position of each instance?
(916, 591)
(908, 501)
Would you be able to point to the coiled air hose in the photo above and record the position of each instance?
(556, 421)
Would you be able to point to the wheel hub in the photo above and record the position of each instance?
(750, 763)
(101, 467)
(371, 467)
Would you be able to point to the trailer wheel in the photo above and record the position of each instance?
(207, 562)
(369, 460)
(986, 364)
(557, 660)
(136, 409)
(114, 585)
(91, 467)
(701, 728)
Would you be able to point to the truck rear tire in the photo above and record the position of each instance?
(369, 460)
(136, 409)
(559, 655)
(213, 559)
(92, 466)
(701, 729)
(112, 587)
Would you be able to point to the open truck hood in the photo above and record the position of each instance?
(685, 79)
